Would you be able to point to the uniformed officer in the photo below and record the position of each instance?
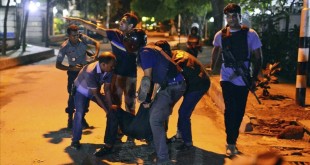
(75, 49)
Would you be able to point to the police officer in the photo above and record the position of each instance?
(75, 49)
(169, 84)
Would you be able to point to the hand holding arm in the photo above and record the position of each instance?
(97, 96)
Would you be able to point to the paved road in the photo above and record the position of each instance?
(33, 122)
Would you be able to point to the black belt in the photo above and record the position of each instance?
(175, 83)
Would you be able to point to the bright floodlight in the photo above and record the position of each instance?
(33, 6)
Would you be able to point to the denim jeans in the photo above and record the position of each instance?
(188, 105)
(235, 98)
(159, 113)
(71, 106)
(127, 86)
(81, 104)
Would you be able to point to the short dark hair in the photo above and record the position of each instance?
(132, 19)
(232, 8)
(72, 28)
(165, 46)
(106, 57)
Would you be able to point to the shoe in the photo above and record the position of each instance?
(165, 162)
(75, 145)
(84, 123)
(184, 147)
(173, 139)
(103, 151)
(231, 150)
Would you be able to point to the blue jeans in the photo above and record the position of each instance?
(81, 104)
(159, 113)
(71, 106)
(235, 98)
(188, 105)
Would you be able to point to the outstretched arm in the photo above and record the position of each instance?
(88, 25)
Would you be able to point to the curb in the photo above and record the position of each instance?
(215, 92)
(6, 63)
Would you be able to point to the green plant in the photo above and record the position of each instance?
(269, 77)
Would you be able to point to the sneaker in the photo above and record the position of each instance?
(85, 124)
(174, 139)
(75, 145)
(184, 147)
(103, 151)
(231, 150)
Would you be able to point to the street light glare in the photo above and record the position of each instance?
(33, 6)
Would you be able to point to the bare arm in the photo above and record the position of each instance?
(60, 66)
(88, 25)
(257, 62)
(107, 92)
(215, 58)
(96, 93)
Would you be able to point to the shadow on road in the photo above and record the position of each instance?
(59, 135)
(129, 153)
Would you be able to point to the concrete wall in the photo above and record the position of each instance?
(35, 26)
(11, 21)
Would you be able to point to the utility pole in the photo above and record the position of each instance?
(179, 29)
(47, 23)
(303, 54)
(108, 14)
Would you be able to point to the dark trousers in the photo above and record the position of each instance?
(111, 129)
(71, 77)
(235, 98)
(187, 107)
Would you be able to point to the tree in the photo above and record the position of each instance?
(25, 25)
(5, 27)
(169, 9)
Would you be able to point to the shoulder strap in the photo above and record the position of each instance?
(160, 50)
